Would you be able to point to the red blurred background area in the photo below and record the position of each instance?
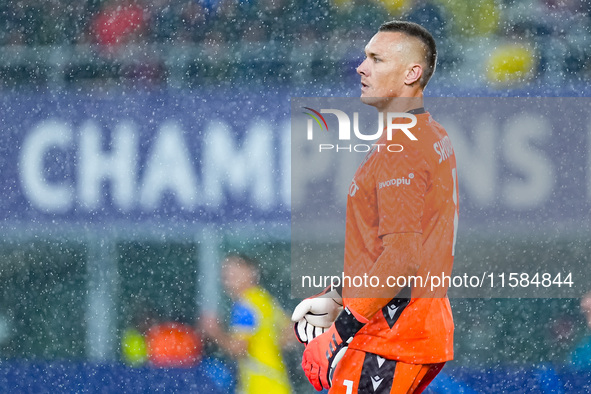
(173, 345)
(118, 23)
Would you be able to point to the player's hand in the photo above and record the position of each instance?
(305, 332)
(323, 353)
(319, 356)
(314, 315)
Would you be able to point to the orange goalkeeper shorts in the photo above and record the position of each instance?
(361, 372)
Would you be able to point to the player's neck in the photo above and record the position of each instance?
(402, 104)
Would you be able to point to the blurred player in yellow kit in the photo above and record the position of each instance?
(258, 327)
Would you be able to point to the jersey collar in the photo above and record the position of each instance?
(417, 111)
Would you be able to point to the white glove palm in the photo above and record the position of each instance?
(314, 315)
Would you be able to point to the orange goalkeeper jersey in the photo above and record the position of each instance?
(412, 191)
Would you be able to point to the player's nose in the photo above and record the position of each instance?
(362, 69)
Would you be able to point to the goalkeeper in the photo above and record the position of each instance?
(390, 339)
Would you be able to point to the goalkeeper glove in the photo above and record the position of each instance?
(323, 353)
(314, 315)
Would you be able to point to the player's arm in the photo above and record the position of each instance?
(400, 257)
(231, 343)
(285, 329)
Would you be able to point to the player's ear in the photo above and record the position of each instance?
(413, 74)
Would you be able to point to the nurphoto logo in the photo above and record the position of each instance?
(344, 130)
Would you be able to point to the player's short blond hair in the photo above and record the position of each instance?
(417, 31)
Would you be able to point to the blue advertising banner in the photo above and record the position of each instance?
(221, 156)
(523, 163)
(161, 156)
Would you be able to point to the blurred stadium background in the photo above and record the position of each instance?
(130, 164)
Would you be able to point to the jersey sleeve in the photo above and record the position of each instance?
(401, 182)
(243, 319)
